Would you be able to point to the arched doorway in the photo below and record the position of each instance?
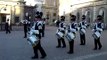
(88, 16)
(102, 12)
(78, 17)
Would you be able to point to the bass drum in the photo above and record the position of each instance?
(33, 40)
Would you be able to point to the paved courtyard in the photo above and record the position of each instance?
(14, 47)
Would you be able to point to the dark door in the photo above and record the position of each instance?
(16, 19)
(3, 17)
(3, 20)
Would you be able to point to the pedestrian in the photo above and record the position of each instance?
(57, 23)
(7, 27)
(60, 33)
(98, 28)
(71, 33)
(82, 30)
(38, 47)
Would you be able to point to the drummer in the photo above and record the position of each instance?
(82, 26)
(98, 28)
(61, 29)
(38, 46)
(72, 28)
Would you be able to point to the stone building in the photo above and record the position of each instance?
(50, 10)
(29, 12)
(90, 8)
(12, 10)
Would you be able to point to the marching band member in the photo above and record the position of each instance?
(38, 47)
(71, 33)
(98, 28)
(40, 23)
(60, 33)
(82, 30)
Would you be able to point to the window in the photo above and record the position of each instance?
(47, 15)
(54, 14)
(78, 16)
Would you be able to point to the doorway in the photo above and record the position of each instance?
(3, 20)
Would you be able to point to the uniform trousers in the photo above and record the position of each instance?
(37, 48)
(71, 46)
(63, 42)
(82, 39)
(97, 43)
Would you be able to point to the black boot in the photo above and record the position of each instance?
(43, 57)
(63, 42)
(59, 44)
(34, 57)
(70, 52)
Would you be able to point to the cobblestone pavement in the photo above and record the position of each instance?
(14, 47)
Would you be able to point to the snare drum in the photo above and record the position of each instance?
(60, 34)
(70, 36)
(96, 35)
(33, 40)
(82, 31)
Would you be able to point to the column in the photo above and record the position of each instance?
(21, 12)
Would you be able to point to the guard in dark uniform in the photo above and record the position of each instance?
(38, 47)
(27, 17)
(42, 24)
(29, 25)
(25, 23)
(43, 32)
(7, 27)
(82, 26)
(61, 28)
(72, 28)
(98, 28)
